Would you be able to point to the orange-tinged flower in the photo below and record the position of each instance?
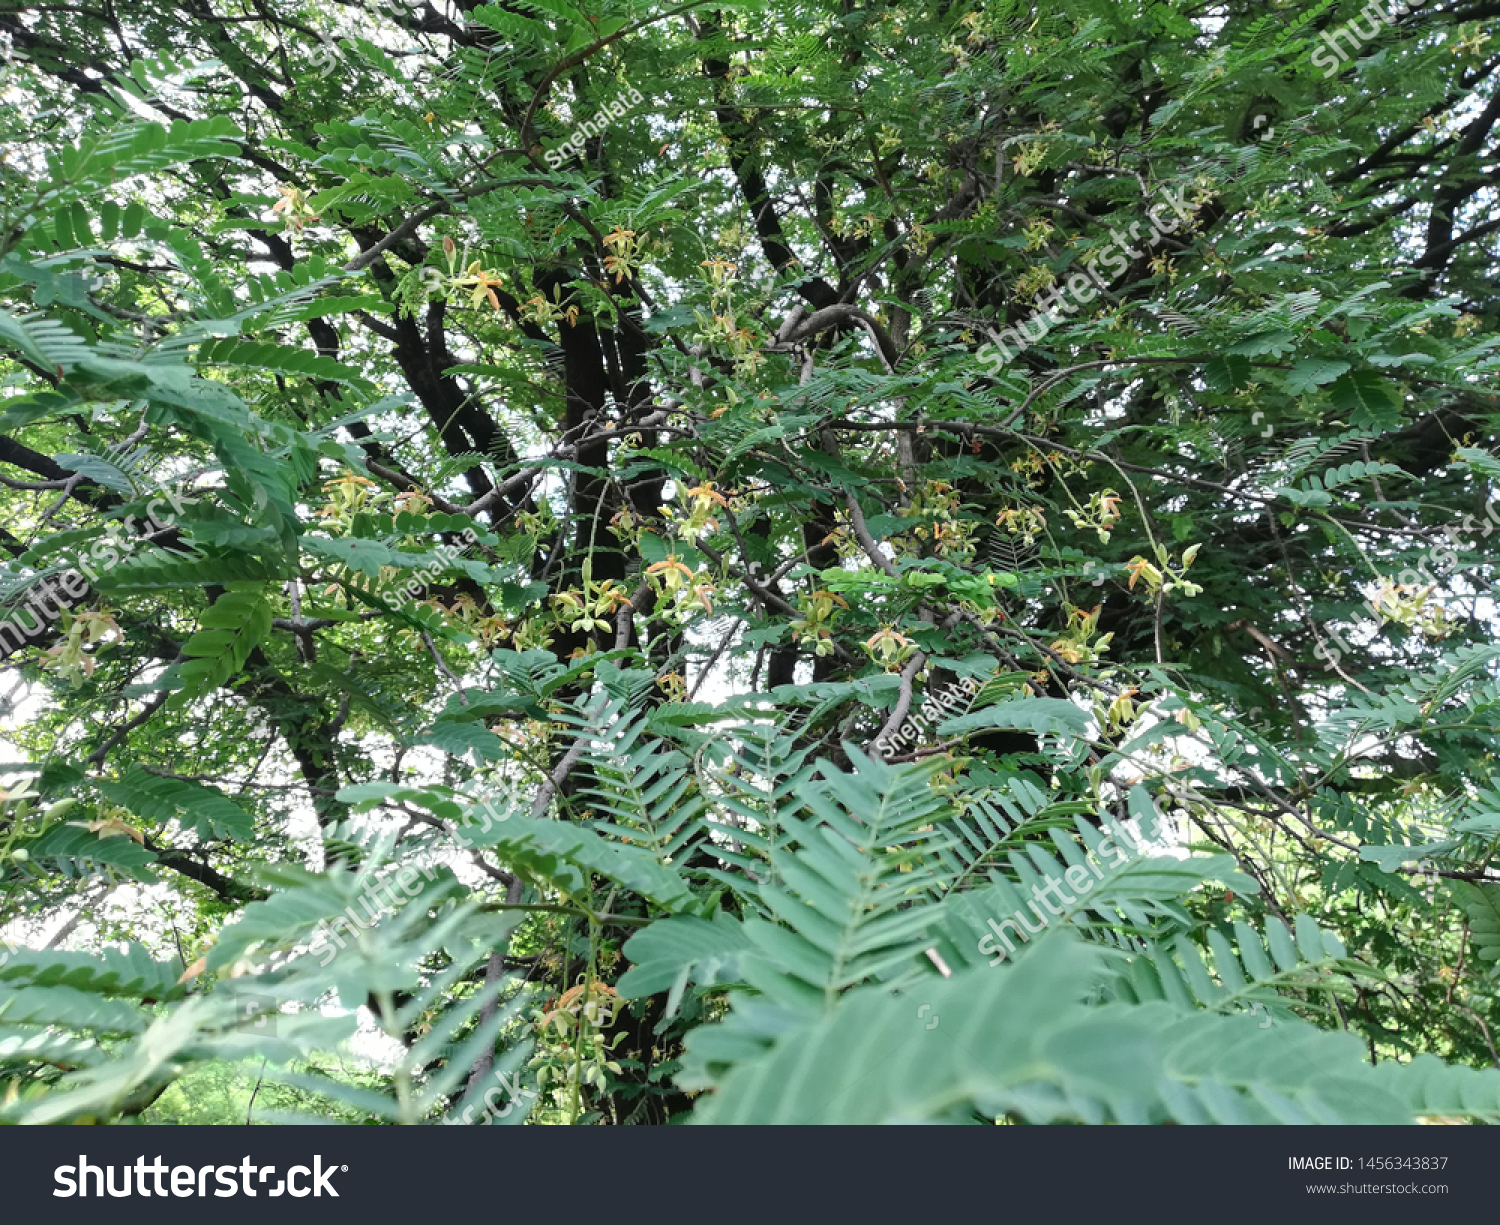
(114, 827)
(1138, 566)
(291, 197)
(619, 267)
(706, 490)
(887, 643)
(586, 998)
(670, 568)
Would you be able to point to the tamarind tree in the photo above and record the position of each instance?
(497, 501)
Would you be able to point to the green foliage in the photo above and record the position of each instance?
(208, 811)
(471, 546)
(230, 630)
(1016, 1042)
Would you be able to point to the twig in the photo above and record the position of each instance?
(903, 699)
(862, 534)
(443, 667)
(259, 1077)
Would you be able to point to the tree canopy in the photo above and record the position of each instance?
(828, 561)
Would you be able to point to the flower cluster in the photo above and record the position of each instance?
(1408, 598)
